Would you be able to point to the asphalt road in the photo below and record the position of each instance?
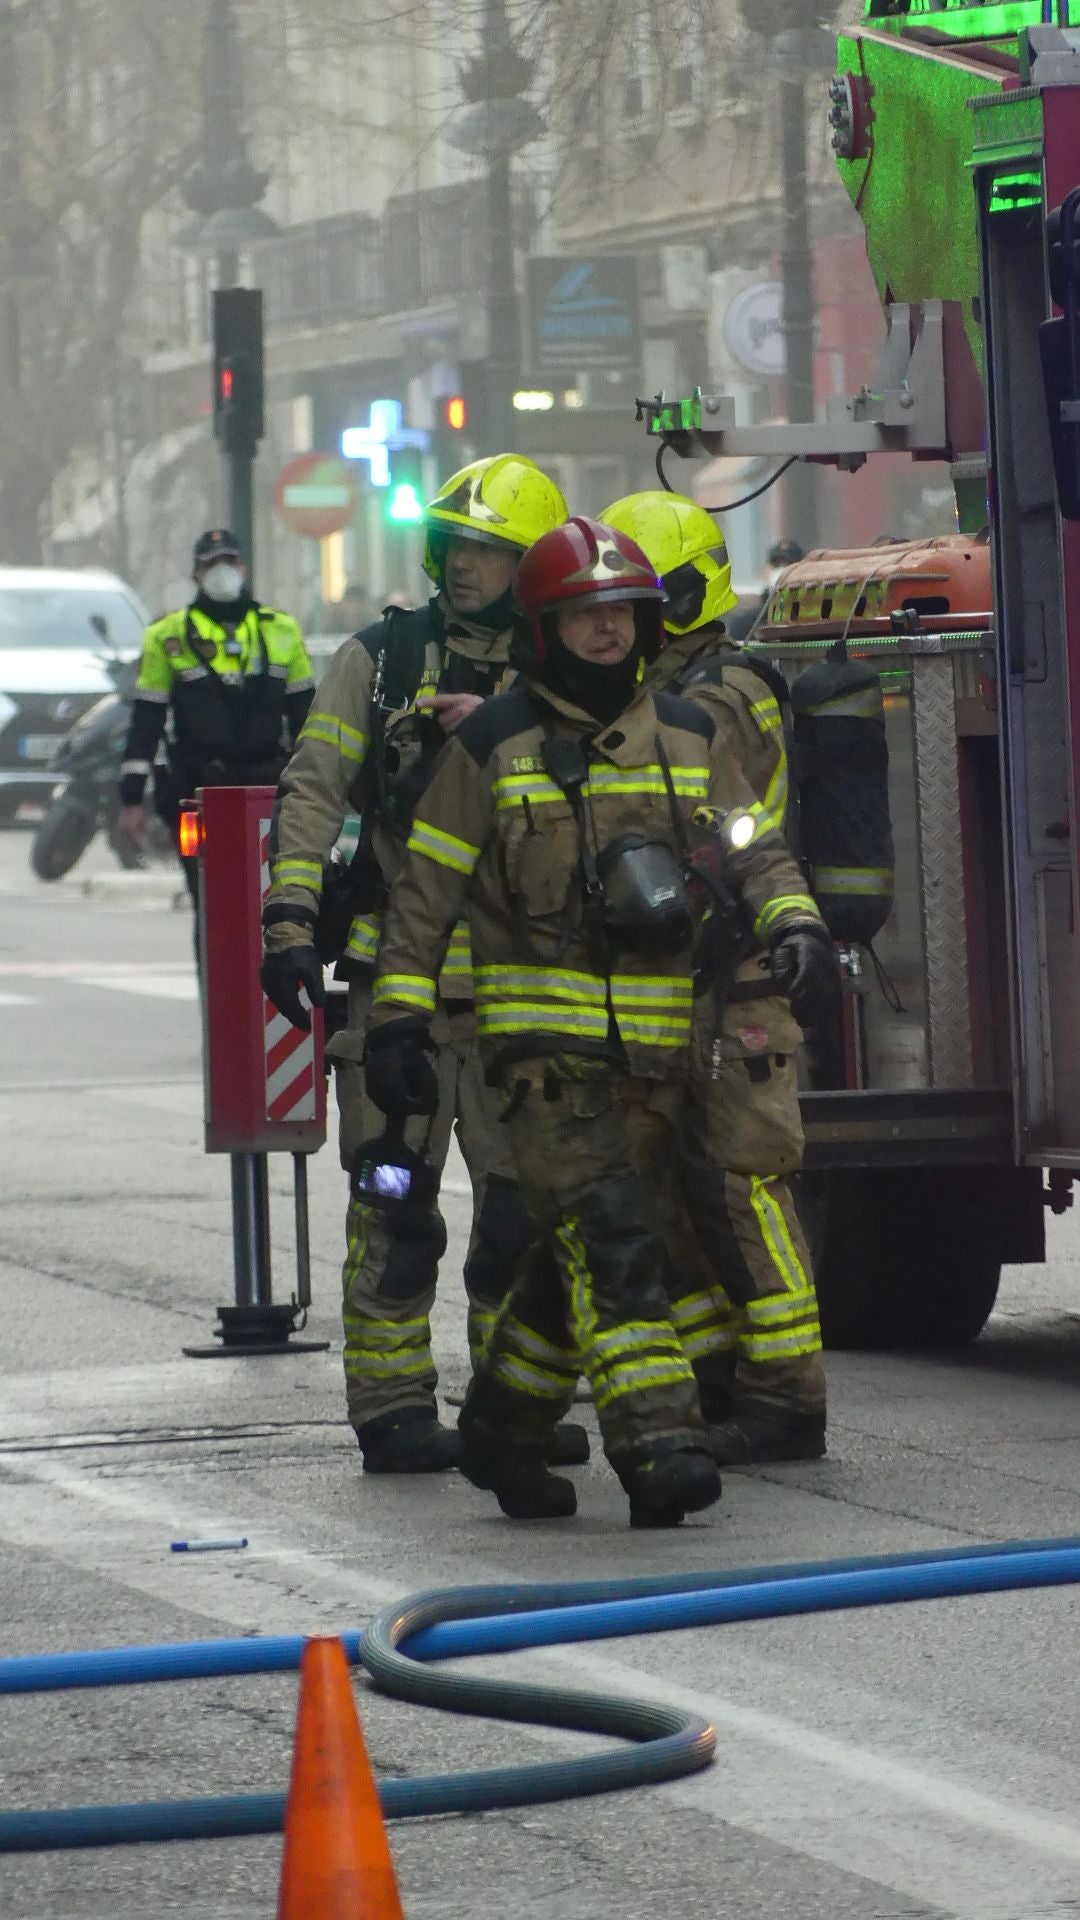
(915, 1761)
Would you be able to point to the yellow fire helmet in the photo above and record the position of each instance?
(688, 550)
(505, 499)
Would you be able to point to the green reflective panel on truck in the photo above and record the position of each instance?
(962, 20)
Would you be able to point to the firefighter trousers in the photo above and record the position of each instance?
(592, 1294)
(393, 1254)
(745, 1306)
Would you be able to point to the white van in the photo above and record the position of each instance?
(56, 629)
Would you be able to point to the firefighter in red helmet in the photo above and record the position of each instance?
(560, 818)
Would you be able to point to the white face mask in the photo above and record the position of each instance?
(223, 582)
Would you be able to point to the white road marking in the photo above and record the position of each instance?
(927, 1833)
(161, 986)
(75, 969)
(155, 980)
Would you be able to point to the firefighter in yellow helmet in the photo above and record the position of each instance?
(561, 817)
(747, 1310)
(393, 693)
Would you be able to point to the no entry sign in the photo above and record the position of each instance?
(316, 494)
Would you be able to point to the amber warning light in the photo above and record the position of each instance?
(191, 833)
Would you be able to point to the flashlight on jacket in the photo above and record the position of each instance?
(734, 827)
(729, 831)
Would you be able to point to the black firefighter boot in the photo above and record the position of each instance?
(411, 1441)
(569, 1445)
(759, 1431)
(667, 1481)
(516, 1474)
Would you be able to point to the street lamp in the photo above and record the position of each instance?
(496, 123)
(222, 188)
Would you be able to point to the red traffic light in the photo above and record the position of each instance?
(225, 385)
(455, 412)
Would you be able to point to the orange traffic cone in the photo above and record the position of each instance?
(336, 1864)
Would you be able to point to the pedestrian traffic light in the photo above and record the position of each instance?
(405, 503)
(238, 369)
(405, 498)
(454, 412)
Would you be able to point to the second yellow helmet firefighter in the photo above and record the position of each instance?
(505, 499)
(687, 549)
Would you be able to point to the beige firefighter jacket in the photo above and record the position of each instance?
(496, 837)
(747, 714)
(328, 776)
(749, 723)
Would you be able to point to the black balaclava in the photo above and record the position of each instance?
(601, 690)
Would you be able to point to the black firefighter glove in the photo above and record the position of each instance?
(283, 972)
(399, 1072)
(805, 967)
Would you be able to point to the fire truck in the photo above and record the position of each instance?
(945, 1119)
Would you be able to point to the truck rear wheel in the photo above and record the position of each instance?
(910, 1257)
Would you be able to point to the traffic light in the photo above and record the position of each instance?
(405, 496)
(238, 369)
(452, 432)
(472, 389)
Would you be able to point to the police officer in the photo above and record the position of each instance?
(560, 815)
(231, 678)
(742, 1135)
(383, 711)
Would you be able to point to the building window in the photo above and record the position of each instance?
(687, 62)
(639, 90)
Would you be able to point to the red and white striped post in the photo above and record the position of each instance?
(263, 1080)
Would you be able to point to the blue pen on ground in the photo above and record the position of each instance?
(206, 1546)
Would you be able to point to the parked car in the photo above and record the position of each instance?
(54, 626)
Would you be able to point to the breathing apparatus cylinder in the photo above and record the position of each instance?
(842, 773)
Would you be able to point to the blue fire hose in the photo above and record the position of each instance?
(665, 1743)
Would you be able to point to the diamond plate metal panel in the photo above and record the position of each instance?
(937, 799)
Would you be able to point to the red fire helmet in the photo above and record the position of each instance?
(579, 564)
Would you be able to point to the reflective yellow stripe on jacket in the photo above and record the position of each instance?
(405, 990)
(444, 848)
(691, 783)
(456, 977)
(349, 742)
(651, 1010)
(363, 941)
(873, 881)
(780, 908)
(520, 1000)
(455, 980)
(297, 873)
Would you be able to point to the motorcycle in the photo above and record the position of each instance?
(86, 798)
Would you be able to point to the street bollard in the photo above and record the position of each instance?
(263, 1082)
